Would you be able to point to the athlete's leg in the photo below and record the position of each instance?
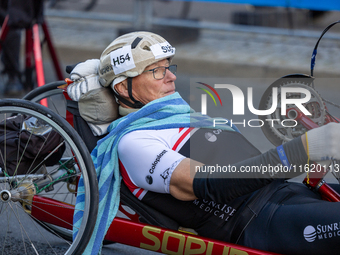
(296, 221)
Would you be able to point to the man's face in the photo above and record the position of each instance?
(145, 88)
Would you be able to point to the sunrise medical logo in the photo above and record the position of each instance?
(309, 233)
(322, 232)
(204, 97)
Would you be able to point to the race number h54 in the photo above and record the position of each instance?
(238, 100)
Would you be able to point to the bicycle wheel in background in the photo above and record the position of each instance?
(41, 165)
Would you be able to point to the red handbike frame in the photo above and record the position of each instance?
(132, 232)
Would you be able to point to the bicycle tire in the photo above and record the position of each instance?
(44, 91)
(52, 93)
(47, 91)
(25, 208)
(277, 134)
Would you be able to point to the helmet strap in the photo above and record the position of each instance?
(136, 104)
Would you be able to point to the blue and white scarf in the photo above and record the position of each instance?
(163, 113)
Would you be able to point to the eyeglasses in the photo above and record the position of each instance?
(159, 72)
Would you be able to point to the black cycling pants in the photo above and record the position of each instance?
(296, 221)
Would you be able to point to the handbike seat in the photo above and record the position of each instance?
(147, 214)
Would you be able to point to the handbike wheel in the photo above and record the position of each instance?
(52, 94)
(38, 186)
(275, 132)
(57, 103)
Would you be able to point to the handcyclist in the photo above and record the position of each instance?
(161, 148)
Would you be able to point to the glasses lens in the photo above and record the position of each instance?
(159, 72)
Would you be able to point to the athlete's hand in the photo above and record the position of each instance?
(323, 143)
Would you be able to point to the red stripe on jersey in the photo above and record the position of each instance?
(139, 192)
(181, 138)
(126, 178)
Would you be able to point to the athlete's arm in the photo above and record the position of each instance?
(181, 183)
(186, 185)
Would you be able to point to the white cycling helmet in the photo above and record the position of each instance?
(130, 54)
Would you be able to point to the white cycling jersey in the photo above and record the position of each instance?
(147, 158)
